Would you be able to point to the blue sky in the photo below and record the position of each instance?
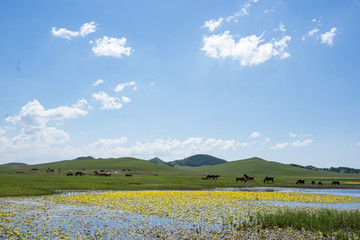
(235, 79)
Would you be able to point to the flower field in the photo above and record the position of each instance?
(160, 215)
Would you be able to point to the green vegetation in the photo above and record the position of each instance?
(327, 221)
(18, 179)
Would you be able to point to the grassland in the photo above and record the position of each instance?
(19, 179)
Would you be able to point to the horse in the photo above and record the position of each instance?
(320, 183)
(128, 175)
(300, 181)
(34, 169)
(335, 183)
(242, 179)
(69, 174)
(249, 178)
(269, 179)
(79, 173)
(312, 182)
(213, 176)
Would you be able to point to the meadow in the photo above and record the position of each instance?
(162, 202)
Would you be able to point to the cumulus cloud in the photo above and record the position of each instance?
(112, 47)
(328, 37)
(302, 144)
(33, 114)
(159, 147)
(120, 87)
(254, 135)
(85, 29)
(248, 50)
(36, 134)
(213, 24)
(107, 101)
(280, 146)
(99, 81)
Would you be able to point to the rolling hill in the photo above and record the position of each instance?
(260, 167)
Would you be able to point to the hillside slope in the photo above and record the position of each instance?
(117, 164)
(198, 160)
(260, 167)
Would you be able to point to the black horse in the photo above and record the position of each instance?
(241, 179)
(249, 178)
(79, 174)
(269, 179)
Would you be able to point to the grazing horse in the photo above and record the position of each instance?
(300, 181)
(269, 179)
(249, 178)
(335, 183)
(312, 182)
(212, 176)
(128, 175)
(320, 183)
(79, 173)
(34, 169)
(242, 179)
(69, 174)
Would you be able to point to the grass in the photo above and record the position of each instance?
(18, 179)
(327, 221)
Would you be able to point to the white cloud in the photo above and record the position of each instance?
(312, 32)
(243, 144)
(120, 87)
(280, 146)
(36, 136)
(328, 37)
(248, 50)
(85, 29)
(292, 134)
(254, 135)
(358, 144)
(107, 101)
(33, 114)
(99, 81)
(243, 12)
(281, 28)
(213, 24)
(266, 140)
(172, 148)
(112, 47)
(302, 144)
(125, 99)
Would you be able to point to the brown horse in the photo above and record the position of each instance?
(241, 179)
(300, 181)
(335, 183)
(269, 179)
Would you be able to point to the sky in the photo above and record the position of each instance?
(273, 79)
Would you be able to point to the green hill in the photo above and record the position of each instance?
(91, 164)
(260, 167)
(14, 166)
(198, 160)
(159, 161)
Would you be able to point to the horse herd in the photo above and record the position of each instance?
(267, 179)
(302, 181)
(245, 178)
